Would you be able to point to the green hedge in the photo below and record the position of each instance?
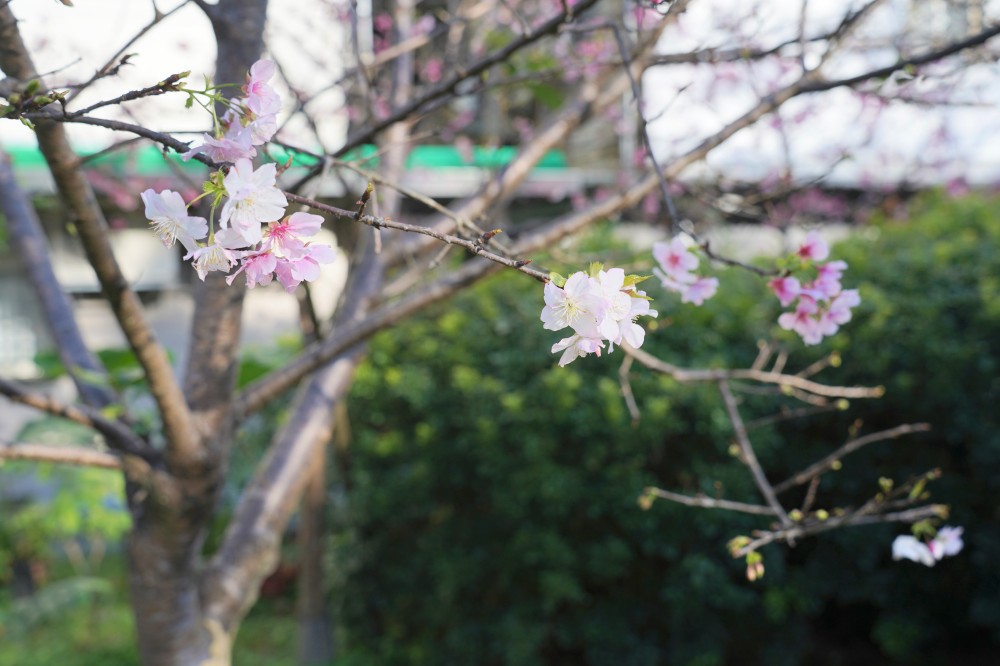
(493, 494)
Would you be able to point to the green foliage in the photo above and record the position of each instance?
(68, 502)
(494, 494)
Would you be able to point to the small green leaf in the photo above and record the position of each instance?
(557, 280)
(632, 280)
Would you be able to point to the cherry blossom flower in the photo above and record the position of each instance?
(219, 255)
(787, 289)
(803, 322)
(253, 199)
(813, 248)
(263, 128)
(169, 218)
(236, 144)
(569, 305)
(828, 280)
(700, 290)
(284, 237)
(910, 548)
(261, 97)
(947, 543)
(823, 304)
(599, 308)
(258, 268)
(676, 262)
(304, 268)
(575, 347)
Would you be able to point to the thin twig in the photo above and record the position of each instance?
(704, 502)
(749, 457)
(826, 463)
(626, 386)
(764, 377)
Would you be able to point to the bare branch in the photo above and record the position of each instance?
(828, 462)
(450, 85)
(68, 455)
(385, 223)
(816, 526)
(764, 377)
(703, 502)
(93, 233)
(115, 61)
(748, 456)
(117, 435)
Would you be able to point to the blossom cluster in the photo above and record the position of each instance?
(600, 307)
(947, 542)
(823, 305)
(249, 199)
(250, 121)
(676, 266)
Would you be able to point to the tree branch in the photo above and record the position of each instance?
(762, 376)
(749, 457)
(117, 435)
(826, 463)
(704, 502)
(93, 233)
(68, 455)
(28, 242)
(816, 526)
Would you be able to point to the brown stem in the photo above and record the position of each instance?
(826, 463)
(67, 455)
(748, 456)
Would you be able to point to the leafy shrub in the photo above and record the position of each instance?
(493, 494)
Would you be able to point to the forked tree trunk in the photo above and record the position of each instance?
(165, 544)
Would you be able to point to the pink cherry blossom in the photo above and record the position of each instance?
(828, 280)
(569, 305)
(803, 322)
(700, 290)
(263, 128)
(235, 145)
(219, 256)
(305, 268)
(675, 260)
(599, 309)
(947, 543)
(253, 199)
(260, 97)
(840, 307)
(258, 268)
(284, 237)
(787, 289)
(813, 248)
(169, 218)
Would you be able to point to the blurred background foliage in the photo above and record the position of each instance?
(485, 511)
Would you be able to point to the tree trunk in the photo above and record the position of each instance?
(314, 630)
(173, 624)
